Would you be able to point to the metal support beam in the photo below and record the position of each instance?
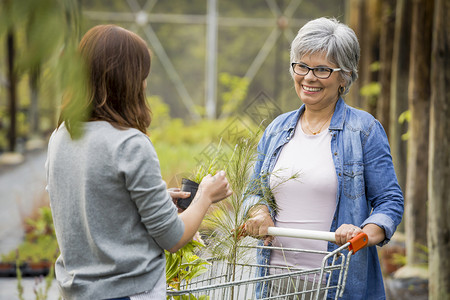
(188, 19)
(211, 60)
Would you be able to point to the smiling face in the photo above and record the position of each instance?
(316, 93)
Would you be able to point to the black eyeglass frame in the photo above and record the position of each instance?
(331, 70)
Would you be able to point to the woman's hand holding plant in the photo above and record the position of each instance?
(214, 188)
(258, 223)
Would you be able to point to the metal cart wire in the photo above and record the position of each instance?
(239, 281)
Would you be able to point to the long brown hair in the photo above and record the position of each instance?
(117, 63)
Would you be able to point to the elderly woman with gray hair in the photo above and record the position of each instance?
(347, 183)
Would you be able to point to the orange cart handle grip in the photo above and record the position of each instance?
(358, 242)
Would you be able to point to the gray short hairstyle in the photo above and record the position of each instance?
(335, 39)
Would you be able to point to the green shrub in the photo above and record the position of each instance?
(40, 241)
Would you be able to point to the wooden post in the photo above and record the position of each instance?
(439, 158)
(370, 51)
(387, 32)
(399, 99)
(419, 103)
(354, 15)
(12, 83)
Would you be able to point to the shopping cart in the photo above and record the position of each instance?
(239, 280)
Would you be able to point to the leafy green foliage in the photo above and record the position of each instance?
(41, 24)
(75, 93)
(43, 225)
(184, 265)
(405, 117)
(177, 132)
(45, 37)
(375, 66)
(371, 90)
(236, 94)
(40, 242)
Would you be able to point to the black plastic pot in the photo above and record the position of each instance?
(187, 186)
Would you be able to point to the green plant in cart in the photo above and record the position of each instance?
(224, 224)
(183, 266)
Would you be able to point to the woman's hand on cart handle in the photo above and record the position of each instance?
(345, 233)
(258, 223)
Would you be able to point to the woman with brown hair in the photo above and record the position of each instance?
(112, 212)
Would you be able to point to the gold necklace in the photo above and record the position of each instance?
(318, 131)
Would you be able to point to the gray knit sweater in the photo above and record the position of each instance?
(112, 213)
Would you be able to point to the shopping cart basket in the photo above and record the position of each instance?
(239, 281)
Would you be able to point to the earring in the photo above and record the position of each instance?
(341, 90)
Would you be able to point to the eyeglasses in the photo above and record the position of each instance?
(319, 72)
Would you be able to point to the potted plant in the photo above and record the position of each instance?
(36, 255)
(191, 183)
(187, 185)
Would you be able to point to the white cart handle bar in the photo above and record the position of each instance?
(356, 243)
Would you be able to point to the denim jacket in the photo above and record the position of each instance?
(368, 191)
